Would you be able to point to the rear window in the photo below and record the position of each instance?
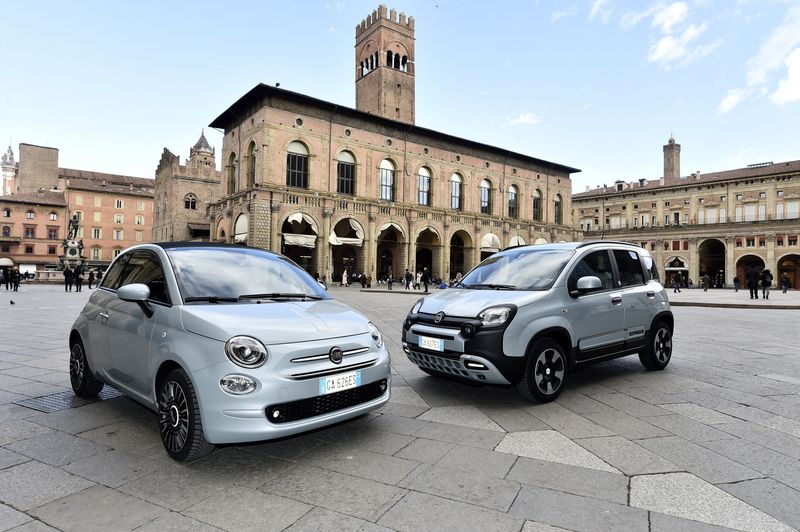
(650, 266)
(629, 267)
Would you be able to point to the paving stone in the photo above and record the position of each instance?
(9, 458)
(364, 464)
(125, 436)
(580, 403)
(244, 509)
(75, 420)
(355, 496)
(751, 455)
(769, 496)
(478, 461)
(346, 438)
(684, 495)
(669, 523)
(112, 468)
(699, 413)
(630, 405)
(175, 522)
(322, 519)
(513, 419)
(97, 508)
(625, 425)
(771, 439)
(287, 448)
(574, 512)
(10, 411)
(781, 424)
(567, 422)
(461, 415)
(35, 526)
(176, 487)
(466, 487)
(687, 429)
(571, 479)
(485, 439)
(10, 518)
(627, 456)
(400, 409)
(57, 448)
(533, 526)
(242, 466)
(397, 424)
(551, 446)
(420, 511)
(426, 451)
(20, 429)
(32, 484)
(407, 396)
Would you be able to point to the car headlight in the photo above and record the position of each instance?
(495, 316)
(246, 352)
(417, 306)
(376, 335)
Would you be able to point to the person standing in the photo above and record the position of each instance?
(369, 280)
(408, 277)
(751, 278)
(8, 278)
(91, 278)
(77, 277)
(344, 278)
(766, 283)
(784, 282)
(389, 280)
(677, 280)
(736, 283)
(68, 277)
(426, 278)
(706, 282)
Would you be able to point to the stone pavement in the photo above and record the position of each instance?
(711, 442)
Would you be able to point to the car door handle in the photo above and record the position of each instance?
(103, 315)
(616, 300)
(651, 294)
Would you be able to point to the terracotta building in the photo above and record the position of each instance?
(717, 223)
(366, 190)
(115, 211)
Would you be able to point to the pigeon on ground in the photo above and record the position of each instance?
(11, 301)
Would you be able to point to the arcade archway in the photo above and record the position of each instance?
(745, 263)
(674, 266)
(490, 244)
(390, 251)
(347, 248)
(299, 232)
(790, 265)
(429, 247)
(711, 255)
(460, 253)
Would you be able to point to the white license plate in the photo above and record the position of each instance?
(339, 382)
(434, 344)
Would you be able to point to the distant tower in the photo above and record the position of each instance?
(9, 169)
(672, 160)
(385, 65)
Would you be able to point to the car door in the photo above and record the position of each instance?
(129, 329)
(97, 317)
(637, 296)
(597, 317)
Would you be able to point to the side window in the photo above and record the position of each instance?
(143, 267)
(650, 266)
(629, 266)
(597, 264)
(112, 277)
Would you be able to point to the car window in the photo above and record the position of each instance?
(143, 267)
(650, 266)
(112, 276)
(519, 269)
(629, 267)
(597, 264)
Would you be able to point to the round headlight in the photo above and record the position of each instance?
(417, 306)
(246, 351)
(376, 335)
(237, 384)
(495, 316)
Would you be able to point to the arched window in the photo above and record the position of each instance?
(190, 202)
(389, 58)
(251, 164)
(6, 213)
(297, 165)
(455, 192)
(387, 180)
(346, 173)
(424, 187)
(486, 197)
(404, 64)
(53, 216)
(537, 205)
(396, 63)
(233, 174)
(513, 211)
(557, 216)
(30, 215)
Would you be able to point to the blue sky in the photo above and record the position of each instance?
(595, 84)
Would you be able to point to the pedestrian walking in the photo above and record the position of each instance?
(784, 282)
(91, 278)
(751, 278)
(344, 278)
(408, 277)
(418, 281)
(736, 283)
(706, 282)
(77, 277)
(426, 278)
(8, 278)
(369, 280)
(677, 280)
(766, 283)
(389, 280)
(68, 279)
(16, 277)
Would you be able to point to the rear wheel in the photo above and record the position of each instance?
(179, 418)
(80, 376)
(659, 349)
(545, 371)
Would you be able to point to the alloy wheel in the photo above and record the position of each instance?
(76, 366)
(549, 371)
(662, 345)
(173, 411)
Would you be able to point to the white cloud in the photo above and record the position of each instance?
(732, 99)
(570, 11)
(599, 10)
(775, 49)
(680, 49)
(668, 16)
(789, 87)
(629, 20)
(524, 119)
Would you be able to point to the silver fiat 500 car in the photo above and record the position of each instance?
(528, 315)
(228, 344)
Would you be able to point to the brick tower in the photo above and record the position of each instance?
(672, 160)
(385, 65)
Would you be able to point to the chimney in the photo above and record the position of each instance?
(642, 182)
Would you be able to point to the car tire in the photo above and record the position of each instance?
(545, 371)
(80, 376)
(179, 421)
(659, 348)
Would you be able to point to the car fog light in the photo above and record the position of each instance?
(237, 384)
(468, 330)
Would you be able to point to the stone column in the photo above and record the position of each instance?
(274, 241)
(771, 265)
(371, 247)
(660, 260)
(411, 256)
(325, 269)
(694, 262)
(730, 261)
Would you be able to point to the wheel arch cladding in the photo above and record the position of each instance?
(667, 318)
(560, 335)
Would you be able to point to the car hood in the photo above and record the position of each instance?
(273, 323)
(466, 303)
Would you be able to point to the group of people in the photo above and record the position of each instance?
(11, 279)
(73, 277)
(753, 278)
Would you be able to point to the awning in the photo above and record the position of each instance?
(199, 226)
(490, 242)
(306, 241)
(300, 217)
(5, 261)
(517, 241)
(336, 240)
(387, 225)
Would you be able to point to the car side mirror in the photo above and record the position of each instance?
(136, 293)
(587, 284)
(323, 285)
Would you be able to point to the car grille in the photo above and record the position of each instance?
(324, 404)
(436, 363)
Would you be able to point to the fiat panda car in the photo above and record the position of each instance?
(528, 315)
(227, 344)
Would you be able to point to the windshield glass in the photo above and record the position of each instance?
(225, 274)
(524, 269)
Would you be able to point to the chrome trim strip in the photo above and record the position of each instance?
(332, 371)
(323, 357)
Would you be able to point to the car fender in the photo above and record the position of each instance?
(516, 343)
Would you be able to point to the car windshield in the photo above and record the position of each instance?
(216, 275)
(522, 269)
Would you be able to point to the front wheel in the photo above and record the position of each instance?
(659, 349)
(179, 418)
(545, 371)
(80, 377)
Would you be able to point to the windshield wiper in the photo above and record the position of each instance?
(212, 299)
(280, 295)
(491, 286)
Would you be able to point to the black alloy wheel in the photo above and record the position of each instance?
(80, 376)
(179, 418)
(659, 350)
(545, 371)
